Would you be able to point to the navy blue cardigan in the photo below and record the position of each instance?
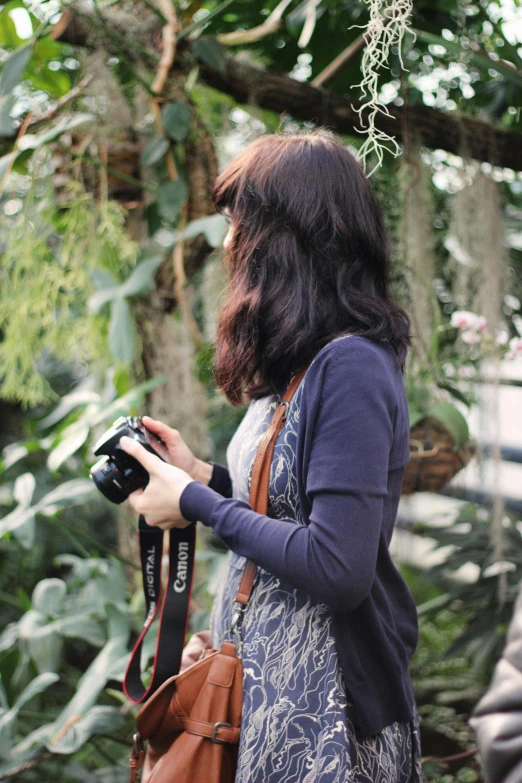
(352, 446)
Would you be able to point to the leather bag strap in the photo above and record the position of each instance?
(260, 480)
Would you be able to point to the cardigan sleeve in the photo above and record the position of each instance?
(220, 480)
(332, 557)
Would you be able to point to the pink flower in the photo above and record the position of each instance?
(471, 337)
(502, 337)
(515, 345)
(464, 319)
(480, 325)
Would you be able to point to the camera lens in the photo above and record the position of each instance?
(109, 479)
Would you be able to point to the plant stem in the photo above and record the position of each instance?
(190, 29)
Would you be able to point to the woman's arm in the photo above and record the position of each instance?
(497, 718)
(220, 480)
(333, 557)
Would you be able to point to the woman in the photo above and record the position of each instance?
(331, 625)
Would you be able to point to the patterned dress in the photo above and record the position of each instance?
(294, 727)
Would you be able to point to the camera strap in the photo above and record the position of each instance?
(173, 600)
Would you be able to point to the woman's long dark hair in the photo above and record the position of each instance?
(308, 261)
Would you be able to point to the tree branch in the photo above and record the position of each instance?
(438, 130)
(452, 132)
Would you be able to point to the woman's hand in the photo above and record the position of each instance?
(159, 501)
(177, 452)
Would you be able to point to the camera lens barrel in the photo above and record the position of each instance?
(117, 474)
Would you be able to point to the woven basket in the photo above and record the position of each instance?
(432, 461)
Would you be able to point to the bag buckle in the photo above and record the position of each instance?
(137, 758)
(213, 736)
(236, 625)
(286, 404)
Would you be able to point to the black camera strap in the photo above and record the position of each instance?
(174, 603)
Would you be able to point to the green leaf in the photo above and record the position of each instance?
(211, 52)
(455, 392)
(82, 627)
(6, 122)
(36, 686)
(24, 487)
(75, 491)
(98, 720)
(109, 664)
(82, 395)
(72, 439)
(48, 596)
(21, 523)
(122, 341)
(155, 150)
(214, 227)
(171, 198)
(7, 718)
(176, 119)
(122, 405)
(42, 639)
(33, 141)
(452, 419)
(14, 67)
(6, 161)
(102, 297)
(102, 278)
(141, 279)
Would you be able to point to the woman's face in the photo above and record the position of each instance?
(228, 239)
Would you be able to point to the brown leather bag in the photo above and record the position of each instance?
(192, 721)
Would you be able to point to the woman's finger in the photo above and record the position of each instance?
(149, 461)
(163, 431)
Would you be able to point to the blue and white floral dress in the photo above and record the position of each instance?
(294, 727)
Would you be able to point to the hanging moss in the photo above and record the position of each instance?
(417, 244)
(47, 256)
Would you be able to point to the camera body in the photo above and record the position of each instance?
(117, 474)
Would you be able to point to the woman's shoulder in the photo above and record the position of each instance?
(355, 355)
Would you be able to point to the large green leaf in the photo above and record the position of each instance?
(6, 161)
(141, 279)
(72, 439)
(211, 52)
(24, 487)
(14, 67)
(109, 664)
(48, 596)
(122, 340)
(82, 627)
(452, 419)
(176, 119)
(171, 197)
(42, 639)
(8, 717)
(122, 405)
(83, 394)
(98, 720)
(20, 521)
(75, 491)
(102, 297)
(155, 150)
(214, 227)
(6, 122)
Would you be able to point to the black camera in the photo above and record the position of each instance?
(117, 474)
